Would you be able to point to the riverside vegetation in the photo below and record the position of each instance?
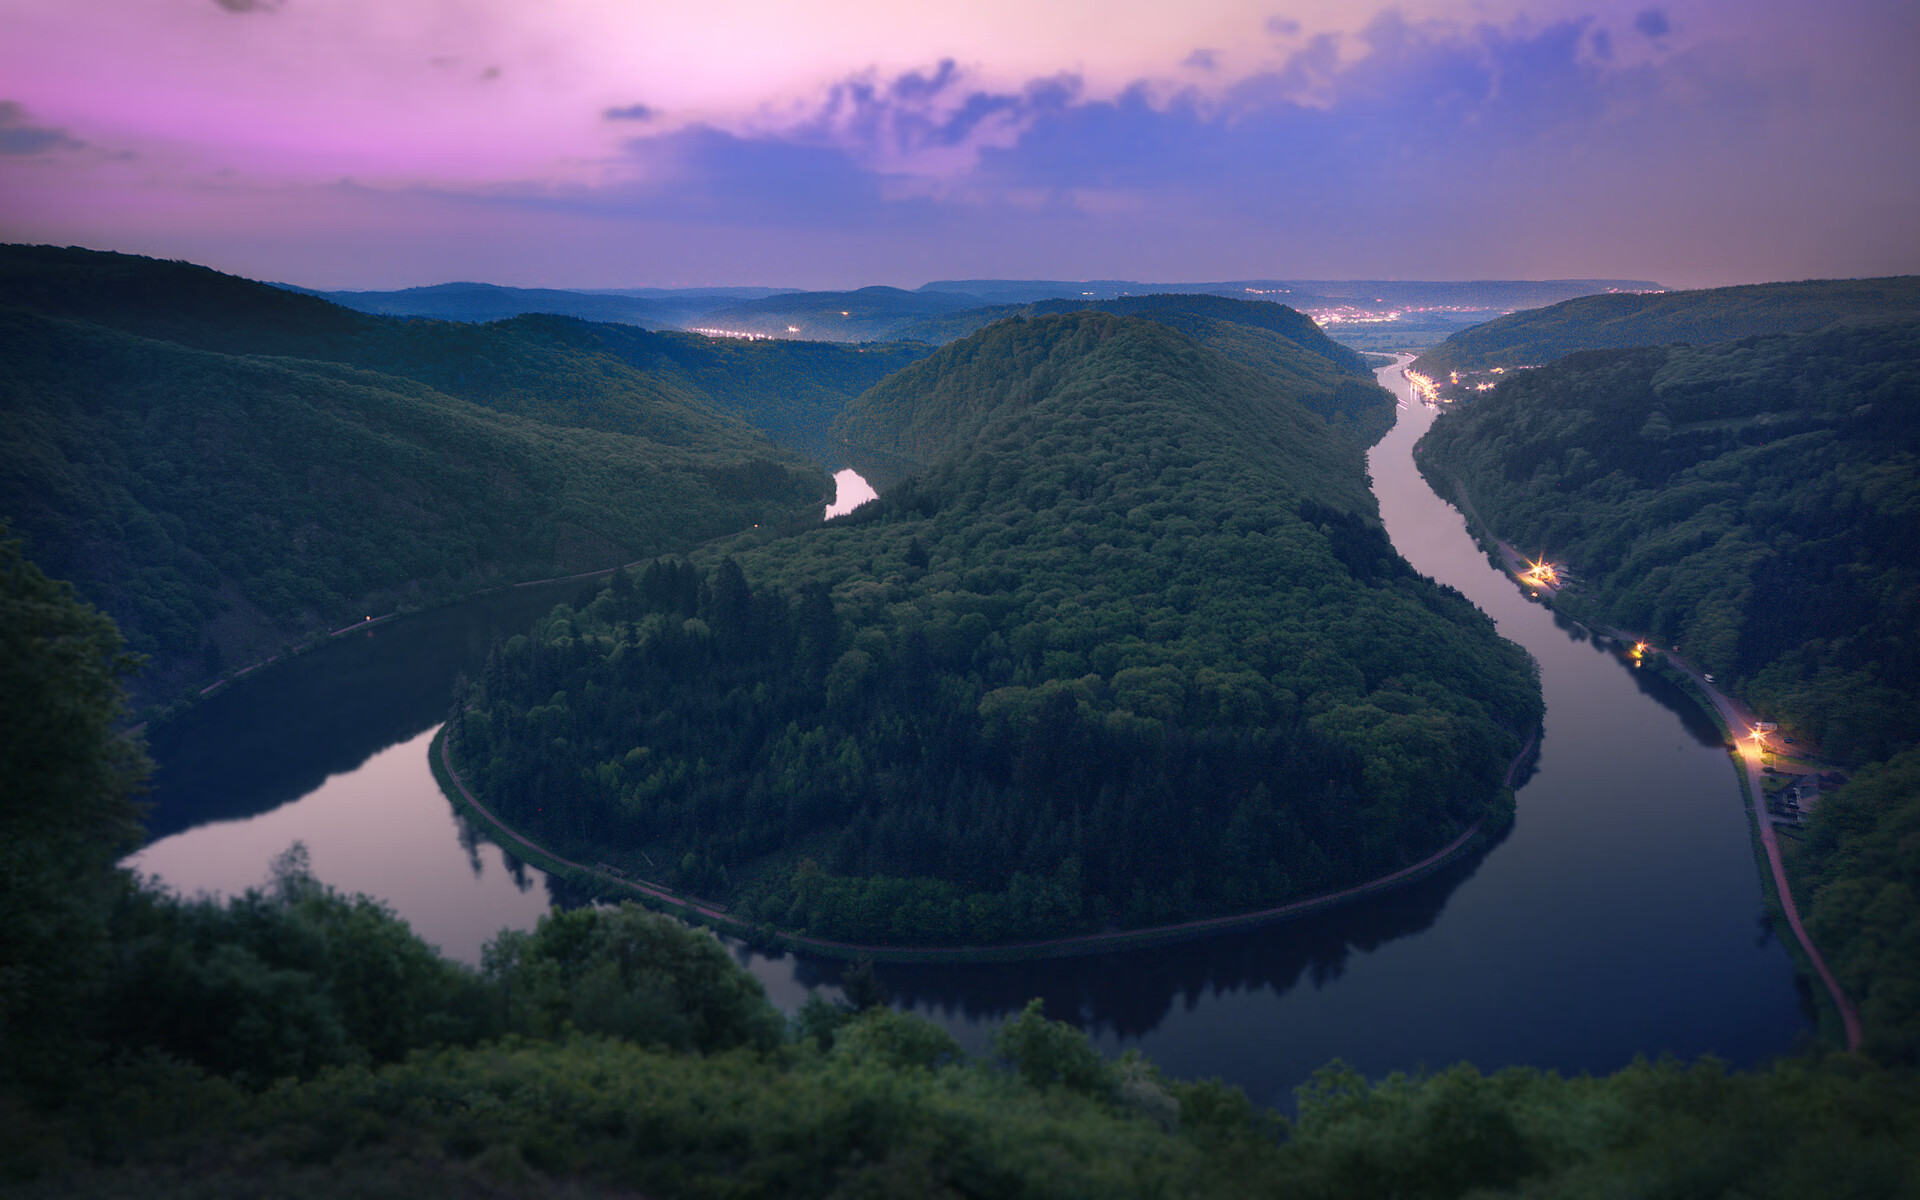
(296, 1042)
(227, 467)
(1755, 503)
(1129, 647)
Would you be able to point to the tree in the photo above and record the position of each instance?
(67, 816)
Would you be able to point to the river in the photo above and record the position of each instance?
(1621, 916)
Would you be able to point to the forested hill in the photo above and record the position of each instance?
(1756, 503)
(227, 467)
(555, 369)
(1131, 647)
(1320, 373)
(1540, 335)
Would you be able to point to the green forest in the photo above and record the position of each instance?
(1131, 647)
(295, 1042)
(1754, 503)
(228, 468)
(1329, 379)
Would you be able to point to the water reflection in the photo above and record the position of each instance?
(850, 491)
(383, 829)
(275, 737)
(1128, 995)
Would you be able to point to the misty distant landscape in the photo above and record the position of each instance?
(1088, 602)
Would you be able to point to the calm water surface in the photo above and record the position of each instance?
(1621, 916)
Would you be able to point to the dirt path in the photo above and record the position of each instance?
(1064, 947)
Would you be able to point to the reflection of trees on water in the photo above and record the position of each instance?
(1656, 687)
(1130, 994)
(269, 740)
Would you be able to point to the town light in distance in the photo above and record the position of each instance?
(1541, 574)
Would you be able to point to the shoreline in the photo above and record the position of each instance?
(1729, 714)
(1072, 946)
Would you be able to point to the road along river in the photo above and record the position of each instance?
(1622, 915)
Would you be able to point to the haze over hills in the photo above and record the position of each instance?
(868, 314)
(1540, 335)
(649, 308)
(1369, 314)
(1300, 293)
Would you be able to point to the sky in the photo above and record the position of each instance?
(840, 143)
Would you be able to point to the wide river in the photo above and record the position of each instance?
(1621, 916)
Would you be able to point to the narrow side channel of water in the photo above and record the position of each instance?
(1621, 916)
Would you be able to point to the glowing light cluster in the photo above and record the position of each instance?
(1353, 316)
(1423, 385)
(1541, 574)
(732, 333)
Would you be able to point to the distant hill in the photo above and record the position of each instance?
(1538, 336)
(490, 302)
(1302, 293)
(869, 314)
(1323, 375)
(649, 308)
(225, 467)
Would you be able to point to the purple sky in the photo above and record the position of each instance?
(611, 143)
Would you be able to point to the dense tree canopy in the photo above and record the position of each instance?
(1328, 379)
(226, 467)
(1131, 646)
(1753, 502)
(67, 812)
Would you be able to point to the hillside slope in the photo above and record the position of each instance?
(226, 467)
(1276, 340)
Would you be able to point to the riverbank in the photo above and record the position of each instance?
(1732, 717)
(705, 912)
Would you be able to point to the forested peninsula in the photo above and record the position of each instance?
(1754, 503)
(228, 468)
(1129, 646)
